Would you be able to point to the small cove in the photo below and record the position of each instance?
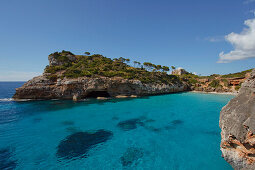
(174, 131)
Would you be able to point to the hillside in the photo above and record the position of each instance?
(70, 76)
(215, 82)
(65, 64)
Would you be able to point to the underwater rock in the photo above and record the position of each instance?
(115, 118)
(153, 129)
(177, 122)
(72, 129)
(131, 156)
(77, 144)
(6, 161)
(173, 124)
(149, 120)
(129, 124)
(37, 120)
(67, 123)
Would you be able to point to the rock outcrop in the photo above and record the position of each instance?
(43, 88)
(237, 122)
(76, 77)
(179, 71)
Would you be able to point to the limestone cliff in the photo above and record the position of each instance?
(237, 122)
(70, 76)
(79, 88)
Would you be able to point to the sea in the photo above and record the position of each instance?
(177, 131)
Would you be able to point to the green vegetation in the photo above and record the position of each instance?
(225, 81)
(190, 78)
(215, 83)
(97, 65)
(237, 87)
(239, 74)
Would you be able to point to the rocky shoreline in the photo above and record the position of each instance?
(205, 92)
(77, 77)
(237, 122)
(80, 88)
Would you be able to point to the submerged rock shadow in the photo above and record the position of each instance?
(130, 124)
(67, 123)
(72, 129)
(6, 159)
(131, 156)
(143, 121)
(171, 126)
(78, 144)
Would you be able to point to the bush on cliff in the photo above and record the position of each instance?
(215, 83)
(98, 65)
(239, 74)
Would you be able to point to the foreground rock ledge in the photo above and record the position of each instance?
(84, 87)
(237, 122)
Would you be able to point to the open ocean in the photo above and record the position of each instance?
(176, 131)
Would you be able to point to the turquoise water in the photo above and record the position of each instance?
(175, 131)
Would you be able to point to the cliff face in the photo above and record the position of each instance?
(43, 88)
(69, 76)
(237, 122)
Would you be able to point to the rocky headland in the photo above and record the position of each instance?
(70, 76)
(215, 83)
(237, 122)
(75, 77)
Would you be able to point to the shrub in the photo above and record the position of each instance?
(237, 87)
(215, 83)
(226, 83)
(52, 77)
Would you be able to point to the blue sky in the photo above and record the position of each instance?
(183, 33)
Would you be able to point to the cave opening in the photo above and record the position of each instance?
(95, 94)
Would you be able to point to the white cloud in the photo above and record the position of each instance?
(252, 11)
(215, 38)
(244, 44)
(248, 1)
(17, 75)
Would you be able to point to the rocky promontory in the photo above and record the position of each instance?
(75, 77)
(237, 122)
(84, 87)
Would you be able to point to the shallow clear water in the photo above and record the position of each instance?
(175, 131)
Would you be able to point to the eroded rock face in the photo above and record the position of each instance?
(43, 88)
(237, 122)
(57, 86)
(53, 59)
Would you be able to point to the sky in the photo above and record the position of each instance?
(202, 36)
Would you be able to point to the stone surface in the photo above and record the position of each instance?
(46, 86)
(237, 122)
(42, 88)
(53, 59)
(179, 71)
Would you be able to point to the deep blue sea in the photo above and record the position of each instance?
(175, 131)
